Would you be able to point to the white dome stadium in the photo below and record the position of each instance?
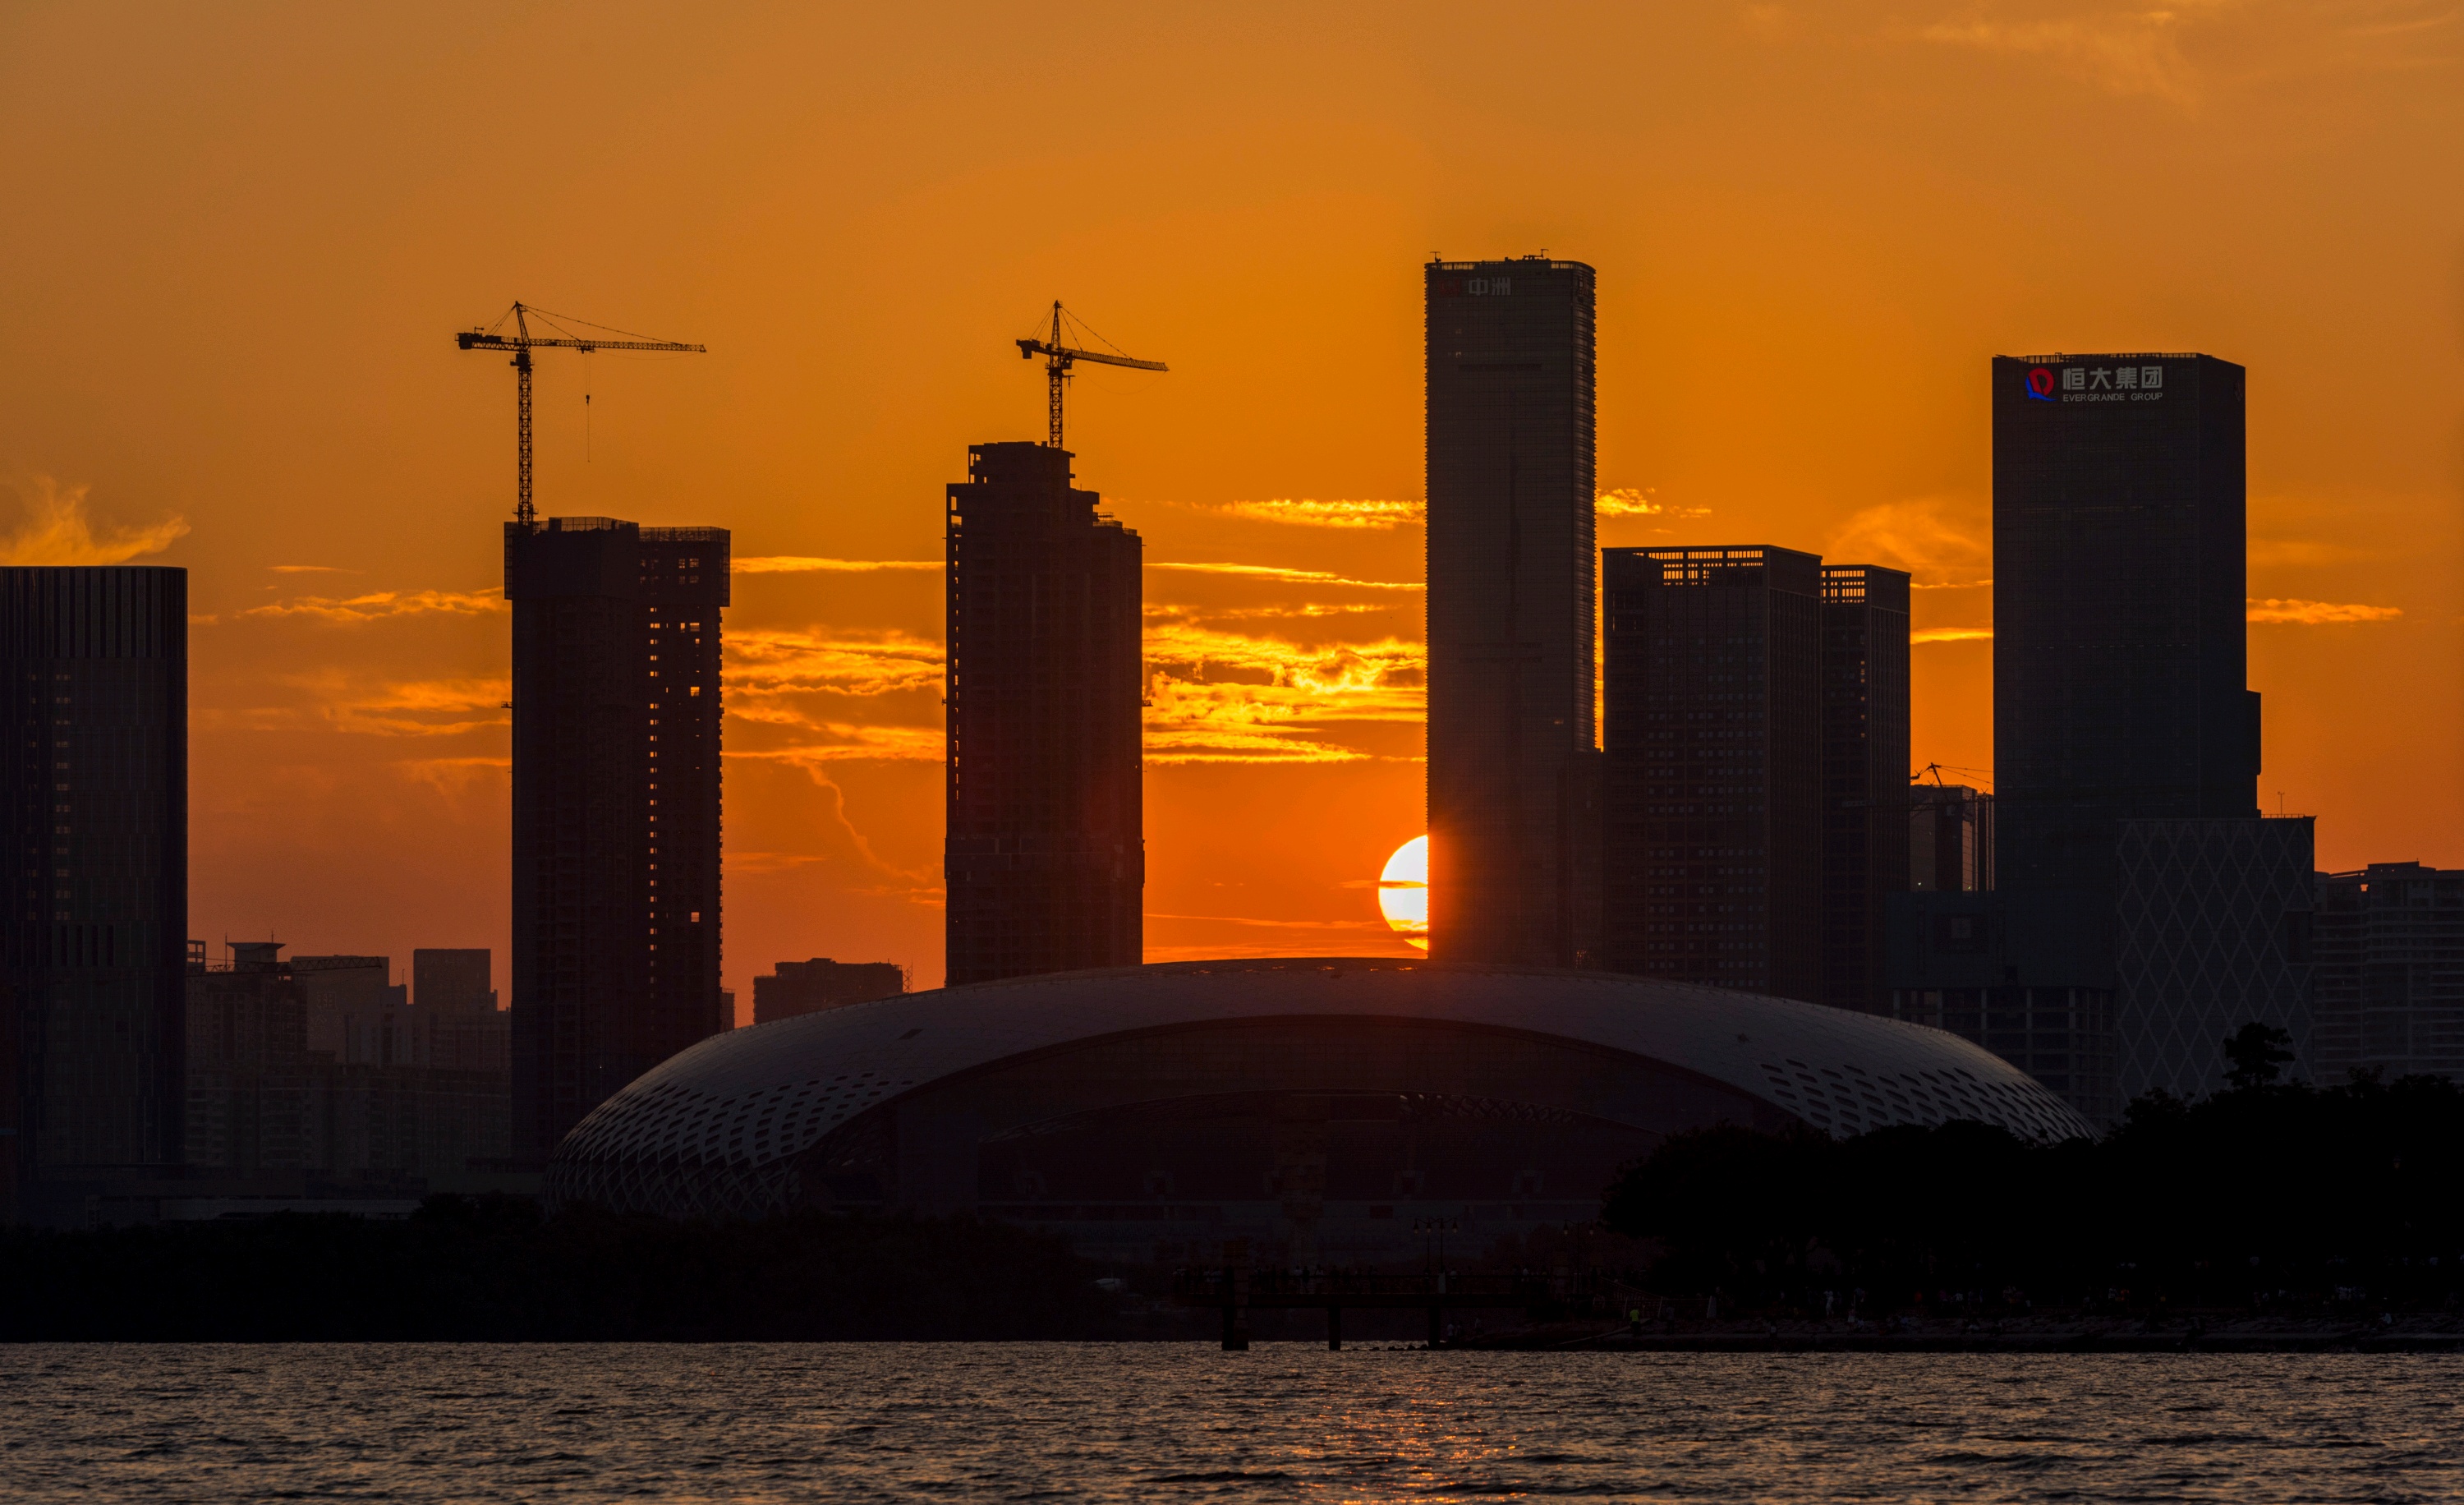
(1315, 1106)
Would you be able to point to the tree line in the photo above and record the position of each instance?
(2268, 1194)
(493, 1269)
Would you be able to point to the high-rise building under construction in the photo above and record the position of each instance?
(1513, 818)
(616, 808)
(1045, 854)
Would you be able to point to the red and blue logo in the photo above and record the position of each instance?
(2041, 385)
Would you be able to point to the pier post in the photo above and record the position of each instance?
(1334, 1329)
(1236, 1331)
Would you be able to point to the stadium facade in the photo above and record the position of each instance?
(1315, 1107)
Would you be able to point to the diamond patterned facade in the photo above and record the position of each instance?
(2212, 932)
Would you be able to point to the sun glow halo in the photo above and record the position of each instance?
(1403, 891)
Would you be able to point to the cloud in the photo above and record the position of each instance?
(1385, 515)
(1309, 512)
(920, 886)
(2122, 49)
(1378, 925)
(407, 708)
(351, 611)
(1941, 541)
(1223, 697)
(1295, 612)
(848, 742)
(2298, 552)
(311, 569)
(1306, 577)
(2317, 613)
(770, 662)
(797, 564)
(1949, 634)
(454, 777)
(58, 531)
(1627, 502)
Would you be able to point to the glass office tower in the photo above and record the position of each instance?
(2119, 671)
(94, 821)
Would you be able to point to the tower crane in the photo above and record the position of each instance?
(522, 342)
(1058, 358)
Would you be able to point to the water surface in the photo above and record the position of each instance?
(1187, 1422)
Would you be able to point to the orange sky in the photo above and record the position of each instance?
(239, 239)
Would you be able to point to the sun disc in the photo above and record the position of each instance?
(1403, 891)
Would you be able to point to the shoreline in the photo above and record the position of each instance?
(2440, 1335)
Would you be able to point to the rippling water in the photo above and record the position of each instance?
(1164, 1421)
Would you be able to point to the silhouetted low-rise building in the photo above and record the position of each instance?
(319, 1070)
(2387, 947)
(250, 1077)
(807, 988)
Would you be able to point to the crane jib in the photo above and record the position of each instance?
(521, 344)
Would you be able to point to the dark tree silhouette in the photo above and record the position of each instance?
(2257, 1053)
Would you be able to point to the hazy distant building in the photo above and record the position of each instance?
(1715, 789)
(1513, 772)
(616, 808)
(457, 1009)
(2388, 950)
(807, 988)
(93, 822)
(251, 1090)
(455, 979)
(1950, 839)
(1864, 775)
(1045, 852)
(317, 1075)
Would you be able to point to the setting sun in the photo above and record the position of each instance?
(1403, 891)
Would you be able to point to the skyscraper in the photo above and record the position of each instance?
(616, 808)
(2120, 670)
(1864, 775)
(2139, 901)
(94, 771)
(1044, 854)
(1513, 770)
(1714, 788)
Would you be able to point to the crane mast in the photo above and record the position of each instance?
(1058, 358)
(522, 342)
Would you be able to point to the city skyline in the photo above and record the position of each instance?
(350, 657)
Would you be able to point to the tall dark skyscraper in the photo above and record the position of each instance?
(2119, 671)
(1513, 770)
(1714, 788)
(2142, 907)
(93, 770)
(1044, 854)
(1864, 775)
(616, 808)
